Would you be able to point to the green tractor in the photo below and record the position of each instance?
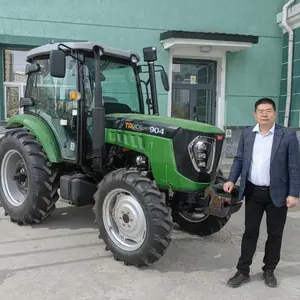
(82, 134)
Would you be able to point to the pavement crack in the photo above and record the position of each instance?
(48, 250)
(5, 274)
(57, 236)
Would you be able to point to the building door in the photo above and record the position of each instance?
(194, 90)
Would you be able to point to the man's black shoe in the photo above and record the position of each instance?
(270, 279)
(238, 279)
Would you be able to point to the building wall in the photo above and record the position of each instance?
(254, 73)
(293, 19)
(132, 24)
(294, 120)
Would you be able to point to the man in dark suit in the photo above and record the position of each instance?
(268, 162)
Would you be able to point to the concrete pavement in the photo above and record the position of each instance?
(64, 259)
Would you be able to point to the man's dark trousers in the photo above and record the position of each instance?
(258, 201)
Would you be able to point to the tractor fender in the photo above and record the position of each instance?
(40, 130)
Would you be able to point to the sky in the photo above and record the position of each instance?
(19, 60)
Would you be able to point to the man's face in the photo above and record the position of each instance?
(265, 114)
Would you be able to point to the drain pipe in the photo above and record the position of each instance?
(290, 61)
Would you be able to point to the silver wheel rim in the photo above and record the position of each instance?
(15, 190)
(196, 217)
(124, 220)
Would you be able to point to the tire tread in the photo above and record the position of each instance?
(156, 207)
(45, 178)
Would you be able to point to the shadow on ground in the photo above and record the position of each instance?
(69, 217)
(187, 253)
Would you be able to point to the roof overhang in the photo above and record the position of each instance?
(207, 41)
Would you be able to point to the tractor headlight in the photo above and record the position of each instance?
(202, 153)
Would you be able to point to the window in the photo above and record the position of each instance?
(52, 102)
(14, 79)
(118, 85)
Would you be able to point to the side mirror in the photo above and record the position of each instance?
(57, 63)
(150, 54)
(26, 102)
(165, 80)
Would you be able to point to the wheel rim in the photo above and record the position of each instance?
(14, 178)
(195, 216)
(124, 220)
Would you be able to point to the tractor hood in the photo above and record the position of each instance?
(172, 122)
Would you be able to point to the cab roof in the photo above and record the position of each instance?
(88, 46)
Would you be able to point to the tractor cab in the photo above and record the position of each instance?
(73, 86)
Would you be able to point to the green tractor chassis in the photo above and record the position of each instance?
(81, 134)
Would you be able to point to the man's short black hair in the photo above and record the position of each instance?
(265, 101)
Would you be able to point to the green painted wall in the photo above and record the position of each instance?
(295, 99)
(252, 74)
(255, 73)
(133, 24)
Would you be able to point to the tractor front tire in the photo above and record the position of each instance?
(29, 183)
(133, 218)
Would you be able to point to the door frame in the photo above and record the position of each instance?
(199, 86)
(217, 55)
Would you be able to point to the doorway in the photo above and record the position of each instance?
(194, 90)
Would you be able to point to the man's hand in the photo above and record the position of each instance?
(228, 187)
(291, 201)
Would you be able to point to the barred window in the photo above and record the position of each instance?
(14, 79)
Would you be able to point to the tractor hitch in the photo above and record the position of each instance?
(221, 203)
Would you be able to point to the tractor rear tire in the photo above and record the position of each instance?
(29, 183)
(205, 226)
(140, 214)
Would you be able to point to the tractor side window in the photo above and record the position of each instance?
(119, 88)
(52, 103)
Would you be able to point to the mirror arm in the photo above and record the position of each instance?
(32, 68)
(147, 71)
(148, 100)
(70, 53)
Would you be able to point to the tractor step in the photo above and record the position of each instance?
(77, 190)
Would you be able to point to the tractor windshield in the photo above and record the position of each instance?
(119, 86)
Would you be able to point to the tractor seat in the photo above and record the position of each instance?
(113, 108)
(110, 99)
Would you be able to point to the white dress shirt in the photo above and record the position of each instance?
(259, 173)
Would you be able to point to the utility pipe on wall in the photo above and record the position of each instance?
(290, 61)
